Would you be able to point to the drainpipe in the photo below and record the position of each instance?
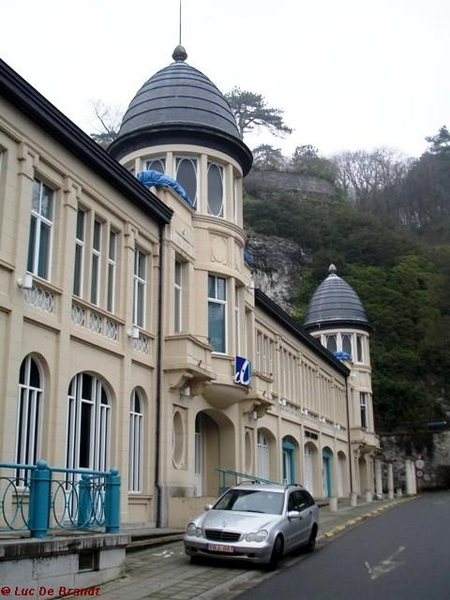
(349, 440)
(159, 369)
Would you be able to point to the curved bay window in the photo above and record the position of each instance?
(215, 190)
(186, 172)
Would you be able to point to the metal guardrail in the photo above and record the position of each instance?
(237, 475)
(33, 499)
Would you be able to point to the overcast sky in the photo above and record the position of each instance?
(349, 74)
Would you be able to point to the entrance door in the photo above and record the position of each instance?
(326, 474)
(288, 462)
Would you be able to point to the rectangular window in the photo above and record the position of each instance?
(111, 284)
(139, 288)
(178, 296)
(237, 322)
(79, 253)
(363, 409)
(96, 262)
(217, 309)
(41, 228)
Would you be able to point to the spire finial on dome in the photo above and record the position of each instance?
(179, 54)
(332, 269)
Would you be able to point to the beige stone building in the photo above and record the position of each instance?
(132, 334)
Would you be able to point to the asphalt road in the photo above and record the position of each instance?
(403, 554)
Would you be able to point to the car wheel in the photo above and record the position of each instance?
(310, 546)
(277, 554)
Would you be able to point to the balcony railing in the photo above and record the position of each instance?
(37, 499)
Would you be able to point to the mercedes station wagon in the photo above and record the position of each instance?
(255, 522)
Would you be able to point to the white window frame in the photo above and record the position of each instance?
(95, 442)
(96, 261)
(222, 211)
(363, 408)
(139, 288)
(40, 221)
(178, 296)
(135, 443)
(195, 163)
(214, 300)
(80, 248)
(111, 271)
(29, 417)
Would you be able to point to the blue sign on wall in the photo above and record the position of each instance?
(242, 370)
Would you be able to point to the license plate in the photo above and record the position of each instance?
(220, 548)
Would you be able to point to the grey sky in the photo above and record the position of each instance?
(353, 74)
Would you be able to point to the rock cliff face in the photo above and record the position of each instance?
(278, 262)
(270, 183)
(277, 267)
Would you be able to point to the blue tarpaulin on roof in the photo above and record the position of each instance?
(155, 178)
(342, 355)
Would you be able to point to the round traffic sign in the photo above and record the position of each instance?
(419, 463)
(419, 473)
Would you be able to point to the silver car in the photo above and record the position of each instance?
(255, 522)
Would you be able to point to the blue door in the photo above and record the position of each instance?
(288, 462)
(326, 473)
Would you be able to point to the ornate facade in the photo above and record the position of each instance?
(132, 333)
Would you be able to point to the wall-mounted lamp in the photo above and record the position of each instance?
(251, 285)
(25, 282)
(134, 333)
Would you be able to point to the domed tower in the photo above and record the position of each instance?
(179, 125)
(180, 105)
(336, 317)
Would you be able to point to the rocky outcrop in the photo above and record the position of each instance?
(277, 267)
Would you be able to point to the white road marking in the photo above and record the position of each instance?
(386, 565)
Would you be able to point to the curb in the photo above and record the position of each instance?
(328, 535)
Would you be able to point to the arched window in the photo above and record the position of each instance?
(215, 190)
(135, 443)
(347, 343)
(331, 343)
(88, 427)
(29, 412)
(156, 164)
(186, 175)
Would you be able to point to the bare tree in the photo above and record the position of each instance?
(109, 119)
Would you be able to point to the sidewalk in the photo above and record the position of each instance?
(163, 572)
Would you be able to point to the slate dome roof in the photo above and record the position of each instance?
(180, 104)
(335, 303)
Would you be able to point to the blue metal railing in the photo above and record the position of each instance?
(236, 475)
(33, 499)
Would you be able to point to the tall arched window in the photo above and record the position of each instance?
(186, 175)
(215, 190)
(29, 411)
(88, 427)
(135, 443)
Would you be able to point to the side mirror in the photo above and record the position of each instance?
(208, 506)
(294, 514)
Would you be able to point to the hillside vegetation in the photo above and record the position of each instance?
(386, 227)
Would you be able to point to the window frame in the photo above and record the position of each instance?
(38, 223)
(214, 302)
(135, 443)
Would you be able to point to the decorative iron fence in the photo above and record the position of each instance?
(38, 499)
